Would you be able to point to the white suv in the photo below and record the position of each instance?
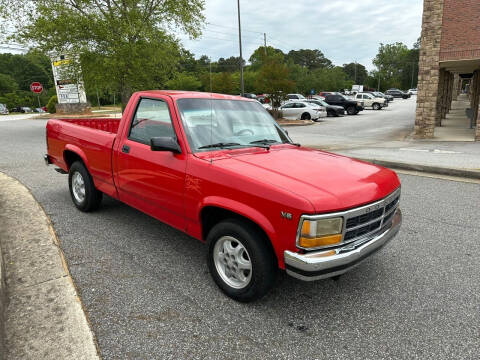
(298, 110)
(371, 101)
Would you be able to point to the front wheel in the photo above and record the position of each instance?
(376, 106)
(240, 260)
(351, 110)
(82, 189)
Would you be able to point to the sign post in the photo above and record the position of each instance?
(37, 88)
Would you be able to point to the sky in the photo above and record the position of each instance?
(344, 30)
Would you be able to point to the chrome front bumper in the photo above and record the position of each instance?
(328, 263)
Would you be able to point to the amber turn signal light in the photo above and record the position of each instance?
(320, 241)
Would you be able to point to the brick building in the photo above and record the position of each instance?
(449, 70)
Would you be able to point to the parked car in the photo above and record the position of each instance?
(39, 110)
(325, 93)
(295, 96)
(413, 91)
(22, 109)
(3, 109)
(352, 107)
(332, 110)
(300, 110)
(263, 99)
(370, 101)
(249, 96)
(220, 169)
(389, 98)
(397, 93)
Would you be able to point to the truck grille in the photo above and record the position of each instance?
(365, 222)
(372, 218)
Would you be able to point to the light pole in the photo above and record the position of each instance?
(240, 45)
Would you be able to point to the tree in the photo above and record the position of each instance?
(230, 64)
(25, 69)
(7, 84)
(397, 65)
(258, 57)
(126, 43)
(273, 79)
(356, 72)
(311, 59)
(184, 81)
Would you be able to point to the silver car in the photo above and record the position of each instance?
(3, 109)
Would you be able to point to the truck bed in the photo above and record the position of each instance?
(105, 124)
(92, 140)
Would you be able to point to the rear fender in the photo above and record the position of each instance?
(76, 150)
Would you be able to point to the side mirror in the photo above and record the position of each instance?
(165, 144)
(286, 132)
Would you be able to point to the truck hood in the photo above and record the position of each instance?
(328, 181)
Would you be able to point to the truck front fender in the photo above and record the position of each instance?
(242, 210)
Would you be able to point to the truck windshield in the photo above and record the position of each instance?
(215, 124)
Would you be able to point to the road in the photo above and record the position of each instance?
(368, 127)
(148, 294)
(11, 117)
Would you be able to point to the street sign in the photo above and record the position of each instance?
(312, 92)
(36, 87)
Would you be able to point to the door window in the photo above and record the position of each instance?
(152, 119)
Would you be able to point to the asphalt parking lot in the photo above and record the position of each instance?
(148, 294)
(394, 122)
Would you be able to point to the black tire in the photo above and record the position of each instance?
(92, 197)
(330, 113)
(261, 257)
(376, 106)
(351, 110)
(306, 116)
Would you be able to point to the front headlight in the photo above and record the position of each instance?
(318, 233)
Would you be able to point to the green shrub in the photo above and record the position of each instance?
(51, 104)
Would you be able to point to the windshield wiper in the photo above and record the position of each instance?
(263, 141)
(226, 145)
(271, 141)
(218, 145)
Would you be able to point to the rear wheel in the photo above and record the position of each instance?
(306, 116)
(351, 110)
(82, 189)
(240, 260)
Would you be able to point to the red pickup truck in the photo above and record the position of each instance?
(220, 169)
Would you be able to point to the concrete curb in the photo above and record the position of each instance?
(464, 173)
(44, 318)
(296, 123)
(3, 306)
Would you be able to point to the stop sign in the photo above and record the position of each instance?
(36, 87)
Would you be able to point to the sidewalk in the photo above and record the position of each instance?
(446, 158)
(43, 315)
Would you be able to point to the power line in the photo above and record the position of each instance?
(229, 27)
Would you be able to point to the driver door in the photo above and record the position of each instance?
(152, 181)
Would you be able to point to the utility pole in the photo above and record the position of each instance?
(98, 98)
(355, 72)
(265, 43)
(210, 64)
(242, 87)
(378, 89)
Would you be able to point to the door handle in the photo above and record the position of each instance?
(125, 149)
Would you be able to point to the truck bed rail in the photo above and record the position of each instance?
(105, 124)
